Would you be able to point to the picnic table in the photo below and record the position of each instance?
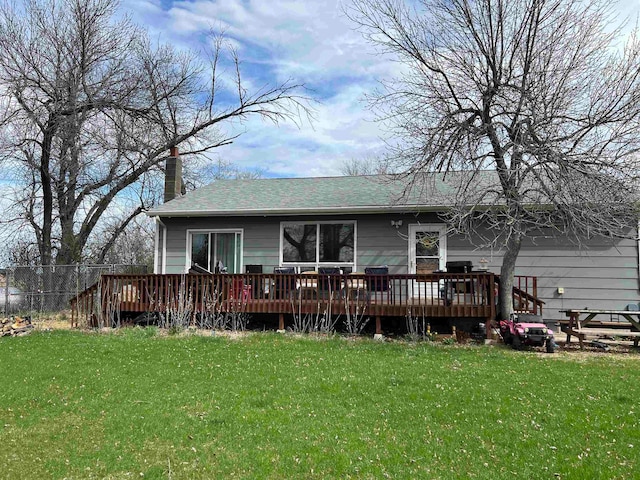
(583, 322)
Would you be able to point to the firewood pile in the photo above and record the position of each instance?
(15, 326)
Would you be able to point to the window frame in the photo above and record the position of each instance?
(239, 233)
(318, 263)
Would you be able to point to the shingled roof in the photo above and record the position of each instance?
(273, 196)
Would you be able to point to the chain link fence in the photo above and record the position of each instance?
(49, 288)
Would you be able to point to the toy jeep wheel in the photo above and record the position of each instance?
(551, 345)
(516, 342)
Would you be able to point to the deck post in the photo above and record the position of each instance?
(281, 323)
(378, 325)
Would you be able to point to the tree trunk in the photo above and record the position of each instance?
(47, 197)
(70, 251)
(507, 273)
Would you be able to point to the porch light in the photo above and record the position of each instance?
(483, 264)
(396, 223)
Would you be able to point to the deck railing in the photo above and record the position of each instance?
(525, 294)
(433, 295)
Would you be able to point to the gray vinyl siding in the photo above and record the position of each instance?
(381, 244)
(597, 274)
(377, 243)
(260, 239)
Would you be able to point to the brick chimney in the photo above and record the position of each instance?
(173, 176)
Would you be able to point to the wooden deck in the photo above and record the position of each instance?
(453, 295)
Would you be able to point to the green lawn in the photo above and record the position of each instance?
(130, 405)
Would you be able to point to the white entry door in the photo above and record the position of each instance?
(427, 253)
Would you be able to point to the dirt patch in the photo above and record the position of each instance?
(52, 325)
(623, 350)
(52, 321)
(571, 351)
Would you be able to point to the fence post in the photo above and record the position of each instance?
(7, 283)
(77, 280)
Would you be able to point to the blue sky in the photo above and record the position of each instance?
(310, 42)
(307, 41)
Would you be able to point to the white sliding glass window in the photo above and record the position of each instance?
(213, 249)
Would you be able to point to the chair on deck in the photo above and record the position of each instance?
(257, 284)
(377, 279)
(284, 270)
(284, 287)
(355, 287)
(238, 290)
(195, 268)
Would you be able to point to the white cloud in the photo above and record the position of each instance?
(312, 39)
(340, 132)
(309, 41)
(306, 41)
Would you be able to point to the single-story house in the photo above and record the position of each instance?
(364, 221)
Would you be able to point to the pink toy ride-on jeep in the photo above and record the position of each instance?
(518, 332)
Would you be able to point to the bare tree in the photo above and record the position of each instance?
(536, 100)
(134, 245)
(365, 166)
(90, 108)
(19, 251)
(222, 169)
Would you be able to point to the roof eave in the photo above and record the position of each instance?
(297, 211)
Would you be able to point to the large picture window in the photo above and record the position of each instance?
(299, 243)
(215, 249)
(318, 243)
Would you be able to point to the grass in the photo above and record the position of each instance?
(75, 405)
